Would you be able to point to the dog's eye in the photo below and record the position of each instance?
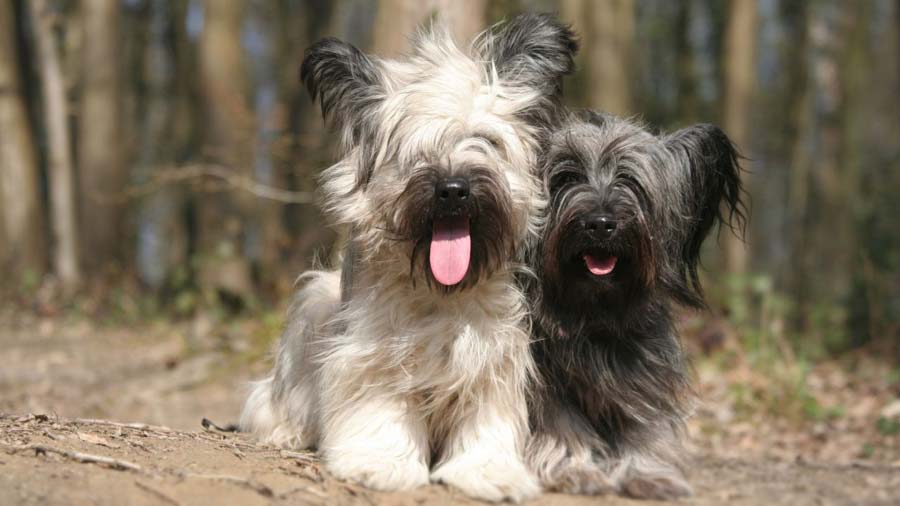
(490, 139)
(568, 175)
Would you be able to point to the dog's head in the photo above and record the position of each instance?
(629, 211)
(440, 165)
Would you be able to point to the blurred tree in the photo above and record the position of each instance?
(60, 175)
(576, 86)
(798, 125)
(102, 173)
(609, 47)
(161, 235)
(688, 102)
(24, 248)
(266, 235)
(740, 79)
(223, 217)
(858, 89)
(397, 20)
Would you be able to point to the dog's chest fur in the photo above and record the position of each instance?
(438, 342)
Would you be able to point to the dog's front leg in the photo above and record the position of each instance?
(486, 428)
(374, 438)
(564, 449)
(644, 474)
(482, 457)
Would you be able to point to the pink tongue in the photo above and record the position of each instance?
(451, 245)
(600, 266)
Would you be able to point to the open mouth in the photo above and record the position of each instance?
(451, 248)
(600, 264)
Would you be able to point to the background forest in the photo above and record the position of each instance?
(158, 160)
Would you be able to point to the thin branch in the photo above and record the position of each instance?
(87, 458)
(108, 423)
(223, 175)
(257, 487)
(40, 417)
(209, 425)
(165, 498)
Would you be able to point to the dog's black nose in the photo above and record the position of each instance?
(602, 225)
(452, 194)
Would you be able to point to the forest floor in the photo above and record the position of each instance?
(112, 415)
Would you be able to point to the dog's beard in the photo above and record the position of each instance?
(583, 277)
(464, 246)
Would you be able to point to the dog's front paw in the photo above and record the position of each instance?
(581, 478)
(488, 478)
(656, 486)
(384, 472)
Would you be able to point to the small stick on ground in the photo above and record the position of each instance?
(87, 421)
(147, 488)
(257, 487)
(208, 424)
(135, 426)
(87, 458)
(305, 457)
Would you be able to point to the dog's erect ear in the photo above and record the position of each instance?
(533, 49)
(348, 86)
(346, 83)
(710, 183)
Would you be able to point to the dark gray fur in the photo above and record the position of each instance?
(610, 410)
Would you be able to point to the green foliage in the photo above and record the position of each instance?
(887, 426)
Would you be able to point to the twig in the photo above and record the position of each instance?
(122, 465)
(305, 457)
(40, 417)
(308, 490)
(230, 177)
(166, 499)
(853, 464)
(135, 426)
(210, 425)
(257, 487)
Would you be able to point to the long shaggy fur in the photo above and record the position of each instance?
(614, 393)
(395, 378)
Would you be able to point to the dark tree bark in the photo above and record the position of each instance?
(102, 174)
(24, 245)
(161, 235)
(223, 217)
(688, 102)
(740, 82)
(66, 262)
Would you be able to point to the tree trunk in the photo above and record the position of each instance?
(161, 235)
(800, 127)
(740, 81)
(23, 220)
(267, 229)
(62, 190)
(397, 21)
(101, 172)
(223, 218)
(573, 12)
(688, 104)
(608, 43)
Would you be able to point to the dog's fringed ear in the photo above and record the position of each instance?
(349, 88)
(533, 49)
(711, 192)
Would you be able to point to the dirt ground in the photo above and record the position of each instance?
(62, 384)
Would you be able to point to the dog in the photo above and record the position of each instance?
(628, 211)
(410, 363)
